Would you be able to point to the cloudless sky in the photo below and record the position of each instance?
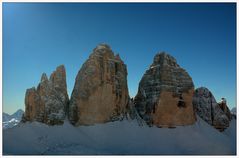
(37, 37)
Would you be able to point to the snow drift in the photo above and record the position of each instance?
(120, 137)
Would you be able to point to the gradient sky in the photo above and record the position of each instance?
(37, 37)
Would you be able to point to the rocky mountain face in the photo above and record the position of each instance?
(215, 114)
(131, 113)
(5, 117)
(165, 98)
(225, 110)
(10, 121)
(48, 102)
(100, 93)
(165, 93)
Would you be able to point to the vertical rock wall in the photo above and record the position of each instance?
(48, 103)
(100, 93)
(165, 93)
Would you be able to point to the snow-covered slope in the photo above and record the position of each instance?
(10, 121)
(6, 117)
(18, 114)
(234, 111)
(122, 137)
(231, 133)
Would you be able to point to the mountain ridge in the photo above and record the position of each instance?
(10, 121)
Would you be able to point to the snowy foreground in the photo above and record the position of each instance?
(122, 137)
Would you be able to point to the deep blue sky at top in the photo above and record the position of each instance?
(37, 37)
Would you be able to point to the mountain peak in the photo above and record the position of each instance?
(100, 93)
(49, 100)
(19, 111)
(103, 46)
(162, 59)
(102, 50)
(44, 77)
(10, 121)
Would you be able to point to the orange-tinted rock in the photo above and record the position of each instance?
(31, 104)
(165, 94)
(100, 93)
(48, 103)
(168, 106)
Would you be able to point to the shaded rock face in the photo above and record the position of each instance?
(48, 103)
(165, 93)
(131, 113)
(209, 110)
(100, 93)
(225, 110)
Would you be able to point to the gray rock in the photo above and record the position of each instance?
(131, 113)
(208, 109)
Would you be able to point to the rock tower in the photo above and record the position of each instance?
(215, 114)
(165, 93)
(48, 103)
(100, 93)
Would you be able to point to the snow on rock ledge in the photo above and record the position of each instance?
(48, 103)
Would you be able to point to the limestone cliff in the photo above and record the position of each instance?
(165, 93)
(205, 105)
(48, 103)
(100, 93)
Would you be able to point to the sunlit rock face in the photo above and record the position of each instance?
(49, 102)
(165, 93)
(100, 92)
(215, 114)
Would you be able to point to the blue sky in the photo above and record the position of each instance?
(37, 37)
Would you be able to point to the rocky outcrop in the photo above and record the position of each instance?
(225, 109)
(209, 110)
(100, 93)
(165, 94)
(131, 113)
(48, 103)
(165, 98)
